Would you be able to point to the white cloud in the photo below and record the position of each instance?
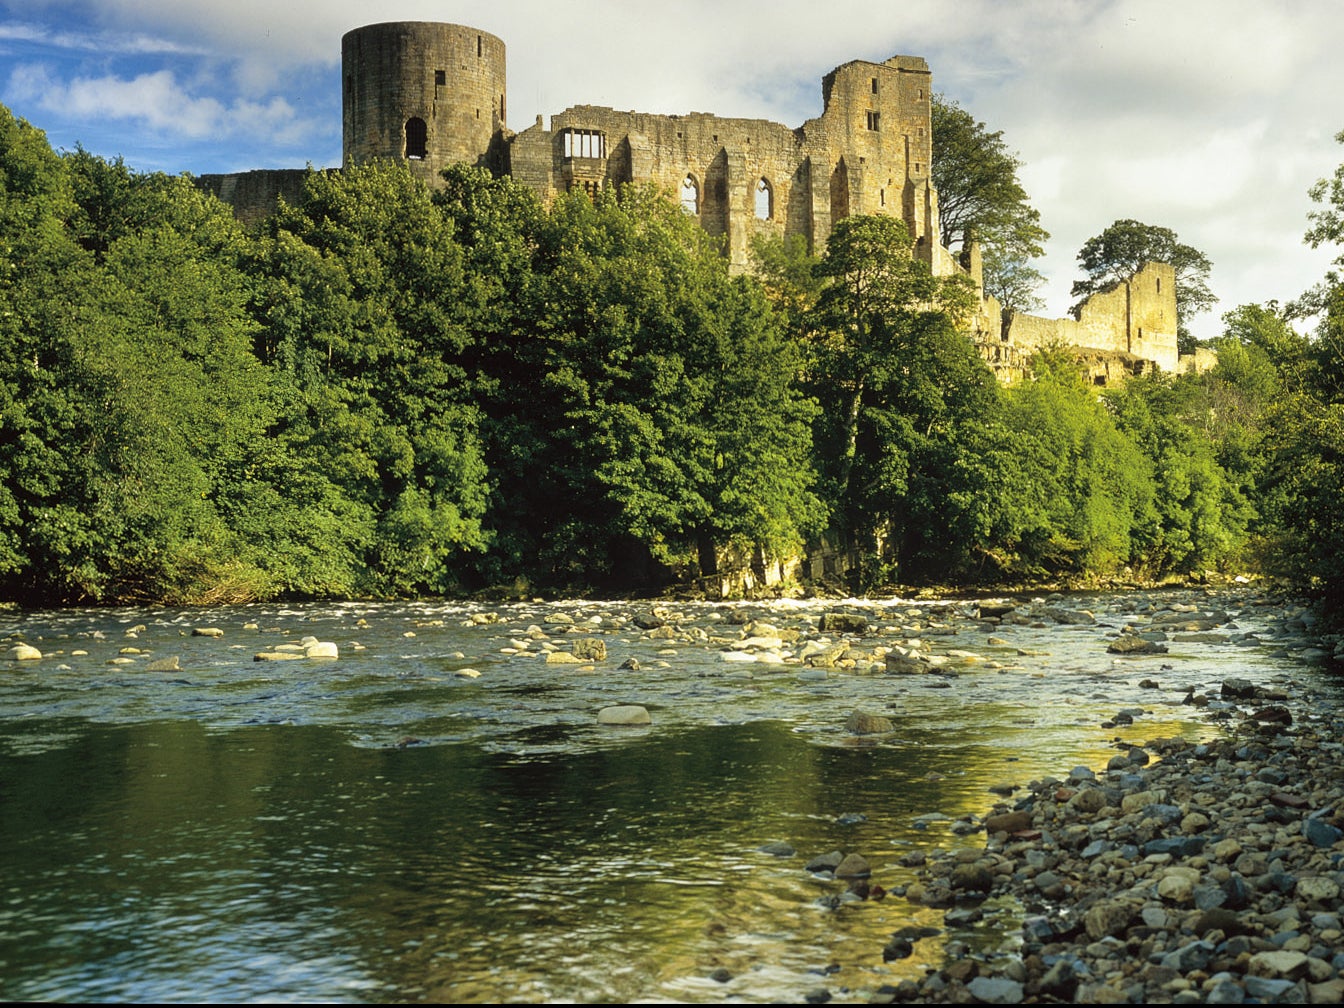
(156, 101)
(1211, 117)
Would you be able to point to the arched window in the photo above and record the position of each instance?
(690, 195)
(765, 201)
(417, 137)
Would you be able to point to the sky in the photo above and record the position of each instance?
(1209, 117)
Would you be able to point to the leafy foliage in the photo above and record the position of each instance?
(387, 390)
(979, 194)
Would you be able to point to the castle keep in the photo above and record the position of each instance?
(430, 95)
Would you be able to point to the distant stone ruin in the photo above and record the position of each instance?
(430, 95)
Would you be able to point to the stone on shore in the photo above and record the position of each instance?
(836, 622)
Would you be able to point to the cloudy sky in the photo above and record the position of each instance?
(1210, 117)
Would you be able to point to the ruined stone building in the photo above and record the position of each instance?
(430, 95)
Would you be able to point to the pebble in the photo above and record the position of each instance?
(1192, 873)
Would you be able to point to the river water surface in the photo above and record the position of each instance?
(437, 814)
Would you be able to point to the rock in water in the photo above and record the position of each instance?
(624, 714)
(1129, 644)
(834, 622)
(860, 723)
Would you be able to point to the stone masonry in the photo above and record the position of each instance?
(429, 95)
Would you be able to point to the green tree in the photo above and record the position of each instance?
(1093, 485)
(980, 195)
(361, 297)
(1202, 511)
(655, 400)
(897, 383)
(1122, 249)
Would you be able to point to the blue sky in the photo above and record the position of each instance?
(1211, 117)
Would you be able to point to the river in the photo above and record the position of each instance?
(437, 815)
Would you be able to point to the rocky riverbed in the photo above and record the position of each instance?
(616, 801)
(1180, 872)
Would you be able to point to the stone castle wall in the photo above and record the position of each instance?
(1128, 329)
(254, 195)
(868, 153)
(421, 92)
(430, 95)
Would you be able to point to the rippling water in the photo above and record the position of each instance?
(385, 827)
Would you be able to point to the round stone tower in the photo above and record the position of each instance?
(425, 93)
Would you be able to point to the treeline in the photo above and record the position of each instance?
(388, 391)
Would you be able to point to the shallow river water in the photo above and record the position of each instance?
(437, 814)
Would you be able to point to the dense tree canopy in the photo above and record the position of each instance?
(388, 390)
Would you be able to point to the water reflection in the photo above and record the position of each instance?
(377, 829)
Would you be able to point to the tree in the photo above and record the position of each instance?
(979, 195)
(362, 302)
(1121, 251)
(896, 381)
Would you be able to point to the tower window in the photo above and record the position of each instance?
(417, 138)
(874, 119)
(440, 78)
(479, 47)
(765, 201)
(874, 85)
(690, 195)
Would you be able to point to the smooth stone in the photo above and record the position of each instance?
(624, 714)
(853, 866)
(321, 649)
(207, 632)
(996, 990)
(24, 652)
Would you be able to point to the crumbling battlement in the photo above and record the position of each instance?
(430, 95)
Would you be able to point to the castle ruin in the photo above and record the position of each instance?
(429, 95)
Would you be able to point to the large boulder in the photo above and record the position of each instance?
(590, 649)
(837, 622)
(860, 723)
(1127, 644)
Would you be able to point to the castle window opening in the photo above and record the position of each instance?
(765, 201)
(690, 195)
(874, 119)
(583, 143)
(881, 197)
(874, 85)
(1159, 285)
(478, 47)
(440, 78)
(417, 138)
